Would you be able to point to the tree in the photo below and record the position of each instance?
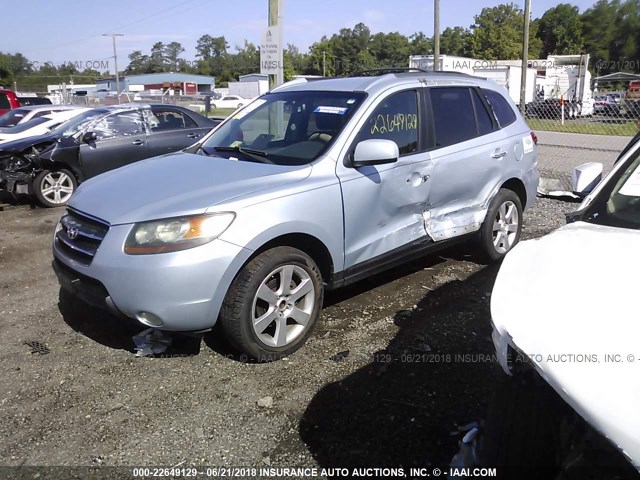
(138, 63)
(246, 60)
(599, 25)
(171, 55)
(389, 50)
(560, 31)
(497, 34)
(157, 61)
(213, 52)
(455, 41)
(420, 44)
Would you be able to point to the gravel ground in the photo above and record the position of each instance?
(384, 380)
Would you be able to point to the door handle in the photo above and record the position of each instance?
(192, 135)
(499, 154)
(138, 142)
(416, 179)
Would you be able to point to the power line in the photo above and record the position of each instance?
(117, 27)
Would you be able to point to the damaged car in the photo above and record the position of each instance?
(50, 167)
(38, 126)
(313, 186)
(581, 332)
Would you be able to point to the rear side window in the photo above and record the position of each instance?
(42, 113)
(503, 111)
(485, 124)
(26, 101)
(170, 120)
(4, 102)
(453, 115)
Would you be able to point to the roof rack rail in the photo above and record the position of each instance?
(383, 71)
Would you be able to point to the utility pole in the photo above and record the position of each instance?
(115, 59)
(525, 56)
(436, 35)
(324, 64)
(275, 19)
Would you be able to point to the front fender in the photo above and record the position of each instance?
(51, 159)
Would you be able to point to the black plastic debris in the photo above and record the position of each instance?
(37, 347)
(340, 356)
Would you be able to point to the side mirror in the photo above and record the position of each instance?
(374, 152)
(89, 137)
(585, 177)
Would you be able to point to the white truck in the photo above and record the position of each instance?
(567, 78)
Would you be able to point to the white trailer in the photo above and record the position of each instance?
(450, 63)
(502, 73)
(510, 77)
(249, 89)
(567, 77)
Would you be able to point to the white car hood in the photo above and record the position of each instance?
(567, 301)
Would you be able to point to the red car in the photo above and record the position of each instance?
(9, 100)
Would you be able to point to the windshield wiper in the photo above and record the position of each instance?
(249, 152)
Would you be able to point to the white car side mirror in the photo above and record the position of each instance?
(585, 177)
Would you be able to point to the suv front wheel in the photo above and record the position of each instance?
(501, 229)
(273, 304)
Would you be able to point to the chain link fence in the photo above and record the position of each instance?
(571, 133)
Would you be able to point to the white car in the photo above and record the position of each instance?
(24, 114)
(39, 125)
(230, 101)
(567, 303)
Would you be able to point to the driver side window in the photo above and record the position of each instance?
(120, 124)
(396, 119)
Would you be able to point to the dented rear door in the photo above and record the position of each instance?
(470, 154)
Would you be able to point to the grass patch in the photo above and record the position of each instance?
(221, 112)
(593, 127)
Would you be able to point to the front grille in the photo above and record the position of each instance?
(79, 236)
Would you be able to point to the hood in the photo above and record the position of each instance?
(569, 302)
(176, 184)
(16, 146)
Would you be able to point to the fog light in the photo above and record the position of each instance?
(149, 319)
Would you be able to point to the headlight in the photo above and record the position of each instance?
(174, 234)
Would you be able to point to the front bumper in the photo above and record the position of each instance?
(184, 289)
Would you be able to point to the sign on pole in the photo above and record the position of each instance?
(271, 51)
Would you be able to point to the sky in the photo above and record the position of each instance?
(71, 30)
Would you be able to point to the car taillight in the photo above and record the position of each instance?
(534, 137)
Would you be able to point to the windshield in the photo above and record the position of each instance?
(618, 204)
(12, 117)
(286, 128)
(26, 125)
(75, 124)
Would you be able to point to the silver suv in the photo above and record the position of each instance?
(310, 187)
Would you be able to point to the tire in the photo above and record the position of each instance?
(53, 188)
(213, 106)
(521, 428)
(505, 223)
(243, 304)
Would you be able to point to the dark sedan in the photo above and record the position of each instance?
(49, 167)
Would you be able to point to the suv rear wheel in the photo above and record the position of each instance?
(273, 304)
(501, 229)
